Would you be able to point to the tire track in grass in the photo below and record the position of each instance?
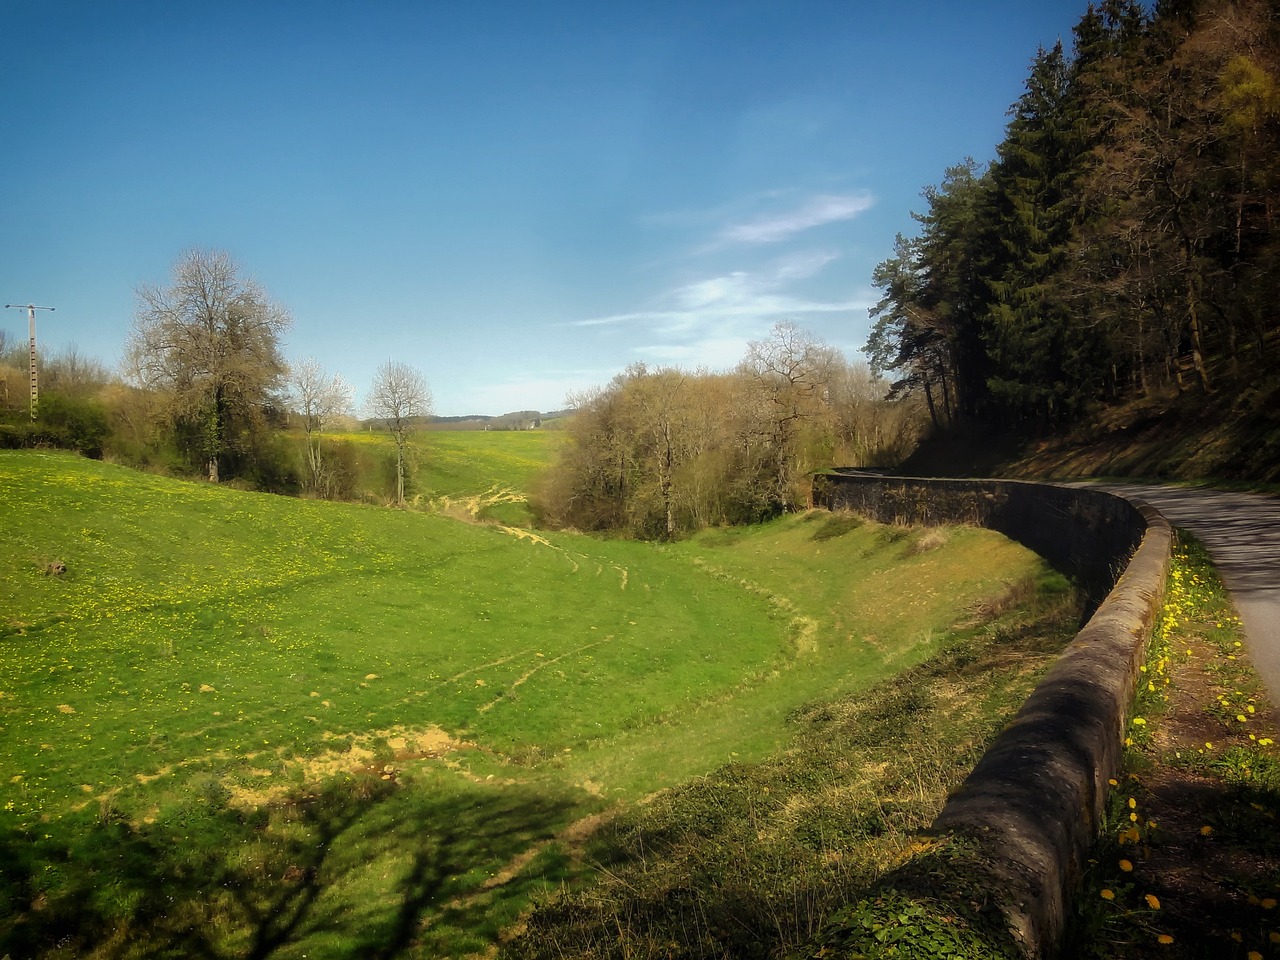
(802, 630)
(477, 503)
(485, 708)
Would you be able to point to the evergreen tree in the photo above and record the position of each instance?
(1041, 366)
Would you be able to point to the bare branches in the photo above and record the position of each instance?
(659, 452)
(399, 395)
(209, 342)
(318, 398)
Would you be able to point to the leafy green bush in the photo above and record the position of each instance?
(70, 423)
(81, 421)
(900, 925)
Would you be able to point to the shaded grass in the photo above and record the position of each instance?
(357, 868)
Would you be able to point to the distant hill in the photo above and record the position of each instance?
(516, 420)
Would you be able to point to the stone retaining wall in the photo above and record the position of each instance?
(1034, 802)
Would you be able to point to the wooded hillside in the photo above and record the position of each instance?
(1124, 237)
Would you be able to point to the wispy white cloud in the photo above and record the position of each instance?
(741, 294)
(708, 322)
(814, 212)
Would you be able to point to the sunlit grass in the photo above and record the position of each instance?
(482, 474)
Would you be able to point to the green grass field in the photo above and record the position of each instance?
(475, 474)
(246, 725)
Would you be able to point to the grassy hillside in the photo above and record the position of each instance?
(476, 474)
(240, 724)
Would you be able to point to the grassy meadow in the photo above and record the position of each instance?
(470, 474)
(246, 725)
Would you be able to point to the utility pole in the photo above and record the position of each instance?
(31, 309)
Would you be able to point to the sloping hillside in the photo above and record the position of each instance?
(234, 722)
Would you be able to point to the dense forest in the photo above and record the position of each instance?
(1124, 234)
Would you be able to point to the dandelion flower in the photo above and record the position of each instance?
(1126, 866)
(1153, 901)
(1107, 894)
(1269, 903)
(1132, 803)
(1165, 939)
(1114, 782)
(1254, 955)
(1206, 830)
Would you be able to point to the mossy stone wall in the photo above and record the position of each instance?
(1034, 802)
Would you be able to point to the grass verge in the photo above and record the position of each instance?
(1189, 861)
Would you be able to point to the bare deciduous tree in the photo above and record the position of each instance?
(399, 394)
(318, 398)
(658, 452)
(791, 372)
(209, 343)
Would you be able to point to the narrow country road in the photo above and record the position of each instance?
(1242, 534)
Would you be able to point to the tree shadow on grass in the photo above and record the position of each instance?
(364, 868)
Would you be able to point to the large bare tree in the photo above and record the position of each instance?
(790, 373)
(318, 397)
(399, 395)
(209, 345)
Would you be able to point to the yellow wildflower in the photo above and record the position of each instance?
(1153, 901)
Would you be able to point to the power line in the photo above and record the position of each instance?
(31, 309)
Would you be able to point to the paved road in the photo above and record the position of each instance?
(1242, 534)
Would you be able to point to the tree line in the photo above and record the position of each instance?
(1124, 234)
(659, 452)
(205, 388)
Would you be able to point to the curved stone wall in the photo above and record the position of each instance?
(1034, 802)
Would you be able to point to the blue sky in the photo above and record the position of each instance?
(518, 198)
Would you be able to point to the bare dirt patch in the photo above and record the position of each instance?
(381, 752)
